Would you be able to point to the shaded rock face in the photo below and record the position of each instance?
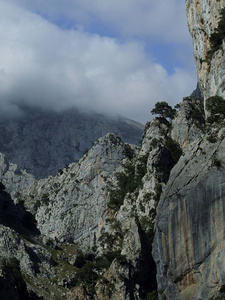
(203, 17)
(189, 240)
(42, 142)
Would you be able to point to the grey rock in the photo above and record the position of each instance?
(12, 177)
(42, 142)
(72, 205)
(203, 17)
(189, 122)
(197, 94)
(187, 245)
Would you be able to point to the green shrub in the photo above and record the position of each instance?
(163, 173)
(174, 149)
(116, 198)
(60, 171)
(154, 143)
(92, 271)
(211, 138)
(164, 110)
(158, 191)
(198, 116)
(107, 238)
(217, 37)
(216, 162)
(128, 181)
(151, 296)
(219, 297)
(128, 151)
(216, 107)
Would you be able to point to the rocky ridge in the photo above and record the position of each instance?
(189, 237)
(96, 218)
(42, 142)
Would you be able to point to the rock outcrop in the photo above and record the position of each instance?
(203, 17)
(189, 239)
(12, 177)
(72, 205)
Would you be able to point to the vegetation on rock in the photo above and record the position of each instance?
(217, 37)
(128, 181)
(215, 105)
(164, 110)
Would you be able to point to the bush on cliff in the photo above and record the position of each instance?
(217, 37)
(216, 107)
(164, 110)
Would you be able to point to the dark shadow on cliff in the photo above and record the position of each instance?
(15, 216)
(145, 273)
(12, 284)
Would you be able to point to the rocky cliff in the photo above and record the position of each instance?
(93, 225)
(203, 18)
(12, 177)
(189, 239)
(128, 222)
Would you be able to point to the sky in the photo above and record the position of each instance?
(108, 56)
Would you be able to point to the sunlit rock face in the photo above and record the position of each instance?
(72, 205)
(203, 17)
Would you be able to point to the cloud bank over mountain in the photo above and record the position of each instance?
(92, 55)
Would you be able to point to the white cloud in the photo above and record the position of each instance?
(44, 65)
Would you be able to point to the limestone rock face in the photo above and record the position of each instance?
(76, 207)
(190, 237)
(72, 205)
(203, 17)
(189, 121)
(12, 177)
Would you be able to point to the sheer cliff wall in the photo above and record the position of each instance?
(203, 17)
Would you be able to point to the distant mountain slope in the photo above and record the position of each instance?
(43, 142)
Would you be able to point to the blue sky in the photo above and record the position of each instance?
(115, 57)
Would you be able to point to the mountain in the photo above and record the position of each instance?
(42, 142)
(127, 221)
(189, 240)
